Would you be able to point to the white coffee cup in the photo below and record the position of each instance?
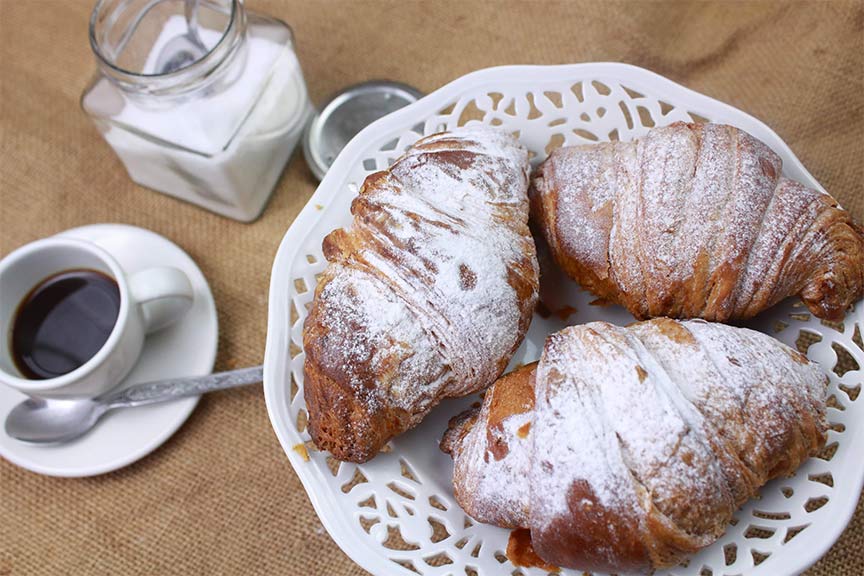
(150, 299)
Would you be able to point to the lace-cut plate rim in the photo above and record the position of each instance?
(396, 514)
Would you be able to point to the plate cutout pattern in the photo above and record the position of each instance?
(401, 505)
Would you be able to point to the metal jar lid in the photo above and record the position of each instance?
(346, 114)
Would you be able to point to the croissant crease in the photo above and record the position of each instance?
(427, 295)
(696, 221)
(626, 449)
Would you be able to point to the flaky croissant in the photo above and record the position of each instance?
(428, 293)
(695, 221)
(642, 442)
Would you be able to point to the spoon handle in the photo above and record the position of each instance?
(173, 388)
(190, 10)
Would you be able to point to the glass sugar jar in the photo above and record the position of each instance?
(200, 99)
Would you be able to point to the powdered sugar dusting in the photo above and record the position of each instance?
(454, 256)
(376, 332)
(498, 489)
(572, 437)
(686, 222)
(587, 180)
(662, 423)
(624, 408)
(442, 269)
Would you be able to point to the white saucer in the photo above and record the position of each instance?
(187, 348)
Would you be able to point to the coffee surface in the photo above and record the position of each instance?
(63, 322)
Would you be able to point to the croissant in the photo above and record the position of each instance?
(695, 220)
(641, 443)
(426, 296)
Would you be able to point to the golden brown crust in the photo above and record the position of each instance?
(520, 551)
(512, 396)
(344, 426)
(457, 427)
(438, 257)
(695, 221)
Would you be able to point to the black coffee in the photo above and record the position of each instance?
(63, 322)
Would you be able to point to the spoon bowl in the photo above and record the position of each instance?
(41, 420)
(184, 49)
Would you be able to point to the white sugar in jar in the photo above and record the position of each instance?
(210, 117)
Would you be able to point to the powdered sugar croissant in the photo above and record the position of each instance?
(695, 220)
(642, 441)
(428, 293)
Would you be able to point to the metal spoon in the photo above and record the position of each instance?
(184, 49)
(42, 421)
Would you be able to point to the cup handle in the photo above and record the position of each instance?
(163, 294)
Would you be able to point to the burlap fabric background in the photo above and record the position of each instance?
(220, 497)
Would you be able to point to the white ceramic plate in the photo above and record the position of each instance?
(187, 348)
(396, 514)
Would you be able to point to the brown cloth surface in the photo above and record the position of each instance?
(220, 496)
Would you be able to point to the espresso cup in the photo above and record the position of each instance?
(150, 299)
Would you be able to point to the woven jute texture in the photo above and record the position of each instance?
(220, 497)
